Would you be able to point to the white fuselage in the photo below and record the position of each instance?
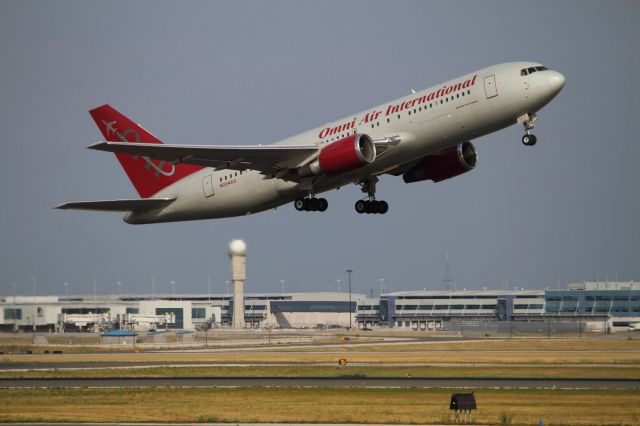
(426, 121)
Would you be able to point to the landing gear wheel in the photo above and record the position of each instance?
(324, 204)
(313, 204)
(384, 207)
(372, 207)
(361, 206)
(529, 139)
(300, 204)
(533, 140)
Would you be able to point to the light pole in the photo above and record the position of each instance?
(15, 307)
(349, 271)
(382, 281)
(282, 286)
(173, 288)
(119, 283)
(66, 289)
(227, 286)
(339, 281)
(34, 280)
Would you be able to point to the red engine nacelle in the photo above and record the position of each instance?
(445, 164)
(342, 156)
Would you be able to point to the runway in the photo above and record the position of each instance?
(342, 382)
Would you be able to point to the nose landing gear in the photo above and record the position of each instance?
(529, 122)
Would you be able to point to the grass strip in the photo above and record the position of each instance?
(316, 405)
(258, 356)
(340, 372)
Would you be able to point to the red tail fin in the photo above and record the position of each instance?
(148, 176)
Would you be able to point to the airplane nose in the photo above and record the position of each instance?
(556, 81)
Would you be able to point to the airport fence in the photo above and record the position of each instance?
(548, 327)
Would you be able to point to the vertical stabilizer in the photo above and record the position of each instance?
(147, 176)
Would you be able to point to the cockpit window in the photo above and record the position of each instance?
(531, 70)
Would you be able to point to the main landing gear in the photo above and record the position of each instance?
(370, 204)
(312, 204)
(529, 122)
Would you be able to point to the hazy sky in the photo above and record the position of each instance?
(255, 72)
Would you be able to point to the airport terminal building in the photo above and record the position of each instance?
(615, 303)
(180, 311)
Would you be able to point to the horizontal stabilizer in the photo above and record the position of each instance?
(137, 205)
(265, 158)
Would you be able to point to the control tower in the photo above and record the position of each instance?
(238, 256)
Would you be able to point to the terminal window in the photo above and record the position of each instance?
(198, 313)
(12, 314)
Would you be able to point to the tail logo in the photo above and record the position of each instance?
(150, 166)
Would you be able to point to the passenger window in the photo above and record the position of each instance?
(387, 120)
(398, 116)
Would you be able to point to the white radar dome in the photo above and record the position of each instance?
(237, 247)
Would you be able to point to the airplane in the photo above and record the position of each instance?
(425, 135)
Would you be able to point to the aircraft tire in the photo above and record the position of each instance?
(529, 139)
(300, 204)
(361, 206)
(314, 204)
(533, 140)
(324, 204)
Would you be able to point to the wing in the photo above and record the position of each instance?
(271, 160)
(136, 205)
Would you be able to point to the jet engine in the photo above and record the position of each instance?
(342, 156)
(445, 164)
